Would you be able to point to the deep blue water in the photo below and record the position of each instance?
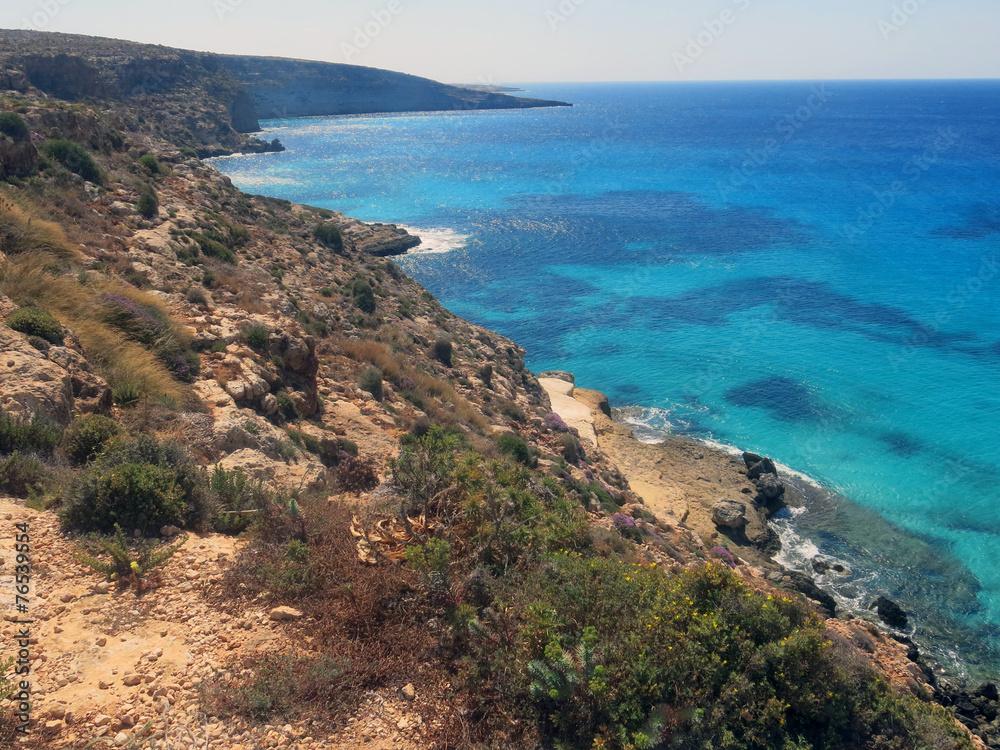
(806, 270)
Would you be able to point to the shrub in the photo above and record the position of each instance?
(150, 162)
(21, 475)
(442, 351)
(37, 435)
(197, 296)
(513, 446)
(33, 321)
(355, 474)
(486, 375)
(329, 235)
(130, 562)
(126, 394)
(87, 436)
(555, 423)
(235, 493)
(37, 342)
(13, 126)
(75, 158)
(326, 291)
(370, 381)
(148, 205)
(256, 336)
(140, 484)
(364, 297)
(571, 449)
(275, 685)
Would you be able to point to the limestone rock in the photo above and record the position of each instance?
(769, 489)
(285, 614)
(729, 514)
(17, 158)
(56, 384)
(131, 680)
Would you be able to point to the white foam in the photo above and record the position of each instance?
(436, 240)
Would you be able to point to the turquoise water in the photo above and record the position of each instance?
(809, 271)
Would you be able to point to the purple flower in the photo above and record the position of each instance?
(622, 521)
(554, 422)
(724, 554)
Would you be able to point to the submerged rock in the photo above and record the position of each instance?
(890, 613)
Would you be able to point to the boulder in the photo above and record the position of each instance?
(17, 158)
(806, 585)
(758, 466)
(890, 613)
(729, 514)
(285, 614)
(769, 489)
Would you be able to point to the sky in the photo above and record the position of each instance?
(525, 41)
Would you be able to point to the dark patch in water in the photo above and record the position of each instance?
(810, 303)
(983, 220)
(674, 223)
(902, 444)
(785, 398)
(628, 389)
(603, 350)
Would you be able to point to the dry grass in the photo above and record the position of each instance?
(20, 232)
(24, 279)
(381, 355)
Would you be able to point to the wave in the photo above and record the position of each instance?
(436, 240)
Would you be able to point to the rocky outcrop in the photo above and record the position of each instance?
(890, 613)
(17, 158)
(56, 383)
(13, 80)
(764, 474)
(382, 240)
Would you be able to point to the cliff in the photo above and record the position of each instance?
(276, 495)
(208, 102)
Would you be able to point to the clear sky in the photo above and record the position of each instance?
(501, 41)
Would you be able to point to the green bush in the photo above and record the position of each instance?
(571, 449)
(256, 336)
(140, 484)
(329, 235)
(370, 381)
(126, 394)
(486, 375)
(87, 436)
(37, 435)
(364, 297)
(22, 475)
(442, 351)
(235, 493)
(150, 162)
(13, 126)
(75, 158)
(513, 446)
(148, 205)
(33, 321)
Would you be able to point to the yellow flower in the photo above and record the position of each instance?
(135, 566)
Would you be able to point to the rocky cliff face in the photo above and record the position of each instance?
(207, 101)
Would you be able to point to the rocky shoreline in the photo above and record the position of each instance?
(727, 500)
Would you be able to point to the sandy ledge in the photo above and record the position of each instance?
(679, 480)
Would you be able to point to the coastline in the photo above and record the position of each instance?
(680, 479)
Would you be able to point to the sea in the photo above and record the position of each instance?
(805, 270)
